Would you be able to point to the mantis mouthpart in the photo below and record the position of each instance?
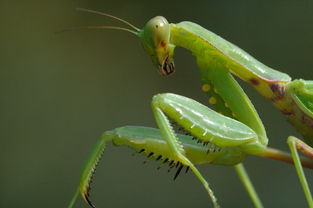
(205, 136)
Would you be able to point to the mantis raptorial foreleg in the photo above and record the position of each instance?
(159, 104)
(233, 132)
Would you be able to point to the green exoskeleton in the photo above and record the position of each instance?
(206, 136)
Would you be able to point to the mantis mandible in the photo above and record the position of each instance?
(224, 136)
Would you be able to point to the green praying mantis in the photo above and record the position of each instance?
(221, 136)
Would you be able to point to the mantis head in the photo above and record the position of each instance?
(154, 37)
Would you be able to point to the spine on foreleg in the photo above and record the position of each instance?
(91, 165)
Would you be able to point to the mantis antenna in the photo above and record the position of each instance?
(135, 31)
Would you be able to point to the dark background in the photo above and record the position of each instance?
(59, 92)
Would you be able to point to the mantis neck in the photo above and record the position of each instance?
(204, 43)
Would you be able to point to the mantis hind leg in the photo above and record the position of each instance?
(244, 177)
(294, 145)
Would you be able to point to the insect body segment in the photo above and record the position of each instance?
(297, 105)
(204, 43)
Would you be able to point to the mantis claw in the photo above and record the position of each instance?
(86, 197)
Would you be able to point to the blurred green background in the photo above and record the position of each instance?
(59, 92)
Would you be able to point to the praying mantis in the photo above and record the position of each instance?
(221, 136)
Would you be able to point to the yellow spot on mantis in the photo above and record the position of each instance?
(206, 88)
(212, 100)
(226, 105)
(233, 114)
(215, 90)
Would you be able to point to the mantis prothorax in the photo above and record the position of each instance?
(223, 138)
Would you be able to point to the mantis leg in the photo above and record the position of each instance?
(294, 145)
(177, 149)
(230, 99)
(244, 177)
(199, 120)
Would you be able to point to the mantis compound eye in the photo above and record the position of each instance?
(167, 67)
